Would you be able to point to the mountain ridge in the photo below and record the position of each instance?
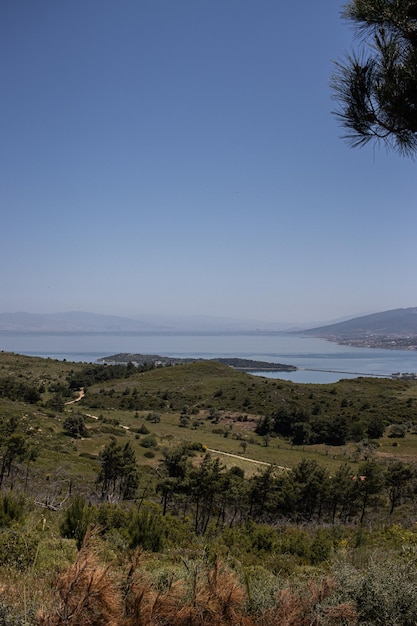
(396, 328)
(80, 321)
(392, 323)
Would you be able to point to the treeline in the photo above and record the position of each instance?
(303, 427)
(19, 390)
(307, 493)
(93, 374)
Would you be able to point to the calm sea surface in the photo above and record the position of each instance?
(321, 361)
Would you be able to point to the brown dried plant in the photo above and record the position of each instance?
(84, 595)
(89, 595)
(205, 597)
(306, 606)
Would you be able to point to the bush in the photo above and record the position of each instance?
(143, 430)
(385, 593)
(111, 516)
(321, 547)
(76, 520)
(261, 587)
(154, 418)
(146, 530)
(74, 426)
(18, 549)
(11, 510)
(149, 441)
(84, 595)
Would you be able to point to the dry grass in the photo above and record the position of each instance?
(205, 596)
(89, 594)
(307, 607)
(84, 594)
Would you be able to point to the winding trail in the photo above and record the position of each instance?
(229, 454)
(81, 394)
(245, 458)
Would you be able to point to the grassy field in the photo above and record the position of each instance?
(198, 392)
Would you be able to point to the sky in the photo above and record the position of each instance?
(180, 157)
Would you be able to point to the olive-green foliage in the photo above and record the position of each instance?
(15, 444)
(385, 592)
(74, 425)
(282, 549)
(18, 548)
(147, 530)
(77, 519)
(19, 390)
(94, 374)
(12, 509)
(149, 441)
(118, 476)
(143, 430)
(261, 588)
(112, 516)
(108, 519)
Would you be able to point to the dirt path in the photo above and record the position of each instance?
(245, 458)
(81, 395)
(233, 456)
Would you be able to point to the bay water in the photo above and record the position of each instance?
(319, 361)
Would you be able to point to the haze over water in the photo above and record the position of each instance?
(323, 361)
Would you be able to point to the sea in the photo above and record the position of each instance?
(318, 360)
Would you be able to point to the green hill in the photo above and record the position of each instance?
(209, 403)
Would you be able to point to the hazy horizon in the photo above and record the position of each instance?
(164, 158)
(195, 321)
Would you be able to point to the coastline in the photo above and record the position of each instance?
(383, 342)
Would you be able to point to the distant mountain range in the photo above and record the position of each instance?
(79, 321)
(388, 325)
(395, 323)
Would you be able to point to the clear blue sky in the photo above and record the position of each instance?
(180, 157)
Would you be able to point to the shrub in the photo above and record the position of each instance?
(74, 426)
(18, 549)
(85, 594)
(387, 595)
(112, 516)
(261, 587)
(77, 519)
(146, 530)
(154, 418)
(143, 430)
(11, 510)
(149, 441)
(384, 593)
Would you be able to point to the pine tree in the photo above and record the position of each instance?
(376, 88)
(118, 476)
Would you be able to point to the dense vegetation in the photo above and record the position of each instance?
(197, 494)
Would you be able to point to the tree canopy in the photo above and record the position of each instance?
(376, 87)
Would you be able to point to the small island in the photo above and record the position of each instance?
(247, 365)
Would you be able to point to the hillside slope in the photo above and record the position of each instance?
(394, 323)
